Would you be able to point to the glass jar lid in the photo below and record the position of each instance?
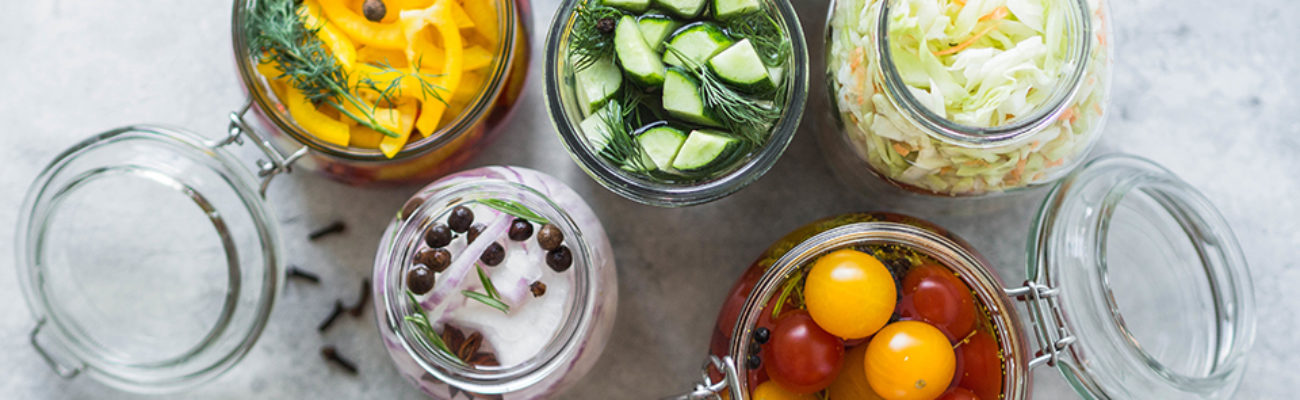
(148, 259)
(1139, 288)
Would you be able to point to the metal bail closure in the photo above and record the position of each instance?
(55, 355)
(275, 162)
(710, 390)
(1052, 339)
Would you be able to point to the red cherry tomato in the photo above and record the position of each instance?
(980, 369)
(933, 294)
(801, 356)
(958, 394)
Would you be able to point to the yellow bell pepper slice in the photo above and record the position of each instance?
(304, 113)
(477, 57)
(402, 5)
(408, 85)
(441, 17)
(385, 36)
(468, 88)
(336, 41)
(484, 15)
(378, 56)
(272, 75)
(400, 120)
(364, 137)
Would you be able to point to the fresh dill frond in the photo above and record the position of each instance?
(749, 118)
(772, 44)
(622, 148)
(587, 43)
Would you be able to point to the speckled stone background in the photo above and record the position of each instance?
(1207, 88)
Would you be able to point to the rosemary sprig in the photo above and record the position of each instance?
(487, 284)
(749, 118)
(622, 147)
(514, 209)
(764, 33)
(421, 322)
(488, 300)
(587, 43)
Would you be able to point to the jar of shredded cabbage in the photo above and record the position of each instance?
(965, 97)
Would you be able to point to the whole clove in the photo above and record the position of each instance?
(360, 305)
(295, 272)
(332, 355)
(333, 228)
(334, 314)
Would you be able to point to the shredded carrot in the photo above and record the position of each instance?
(902, 149)
(997, 13)
(1058, 162)
(1039, 176)
(945, 170)
(968, 42)
(1020, 167)
(1097, 107)
(1068, 114)
(1033, 144)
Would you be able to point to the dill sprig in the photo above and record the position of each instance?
(587, 43)
(277, 33)
(421, 322)
(765, 33)
(749, 118)
(621, 147)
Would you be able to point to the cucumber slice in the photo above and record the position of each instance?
(596, 131)
(640, 63)
(635, 6)
(682, 99)
(699, 41)
(655, 29)
(682, 8)
(661, 142)
(705, 150)
(723, 9)
(740, 66)
(598, 83)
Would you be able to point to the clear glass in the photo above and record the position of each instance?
(148, 260)
(561, 99)
(582, 335)
(448, 149)
(883, 133)
(1121, 236)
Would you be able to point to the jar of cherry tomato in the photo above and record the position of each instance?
(1136, 288)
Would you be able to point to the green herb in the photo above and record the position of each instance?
(587, 43)
(764, 33)
(786, 290)
(744, 116)
(421, 322)
(488, 300)
(487, 284)
(623, 148)
(276, 33)
(514, 209)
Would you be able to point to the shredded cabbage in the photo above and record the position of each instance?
(979, 63)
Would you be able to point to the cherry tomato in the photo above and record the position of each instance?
(850, 293)
(771, 390)
(981, 368)
(958, 394)
(852, 384)
(933, 294)
(801, 356)
(910, 360)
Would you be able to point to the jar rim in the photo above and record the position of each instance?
(405, 238)
(565, 119)
(256, 87)
(1044, 115)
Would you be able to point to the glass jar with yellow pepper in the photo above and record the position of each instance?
(378, 91)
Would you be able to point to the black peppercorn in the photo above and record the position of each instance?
(559, 259)
(753, 361)
(474, 231)
(409, 208)
(436, 259)
(438, 236)
(460, 219)
(520, 230)
(374, 10)
(605, 25)
(550, 237)
(419, 280)
(761, 335)
(755, 348)
(494, 255)
(538, 288)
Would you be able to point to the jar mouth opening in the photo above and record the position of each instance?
(487, 380)
(1078, 31)
(257, 87)
(987, 289)
(565, 116)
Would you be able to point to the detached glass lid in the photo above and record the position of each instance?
(1137, 286)
(148, 258)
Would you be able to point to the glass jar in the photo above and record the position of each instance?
(567, 114)
(589, 308)
(899, 117)
(1136, 288)
(437, 154)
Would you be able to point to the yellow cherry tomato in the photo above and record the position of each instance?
(771, 390)
(852, 384)
(850, 293)
(910, 360)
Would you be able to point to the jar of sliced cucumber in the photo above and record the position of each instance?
(676, 102)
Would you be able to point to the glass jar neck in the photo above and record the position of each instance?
(407, 238)
(949, 253)
(1077, 31)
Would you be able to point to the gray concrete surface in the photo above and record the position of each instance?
(1207, 88)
